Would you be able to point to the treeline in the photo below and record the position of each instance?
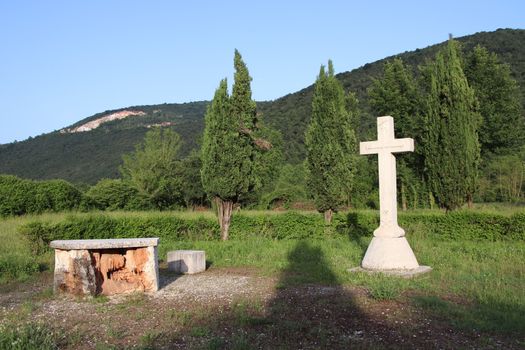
(86, 157)
(463, 108)
(290, 114)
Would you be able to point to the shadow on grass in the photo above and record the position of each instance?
(310, 309)
(358, 232)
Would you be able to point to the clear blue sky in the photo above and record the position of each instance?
(62, 61)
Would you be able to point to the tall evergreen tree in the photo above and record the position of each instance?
(331, 144)
(396, 94)
(503, 127)
(229, 149)
(451, 124)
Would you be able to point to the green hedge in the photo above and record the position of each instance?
(103, 226)
(469, 225)
(290, 225)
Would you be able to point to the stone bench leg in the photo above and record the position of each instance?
(187, 261)
(74, 272)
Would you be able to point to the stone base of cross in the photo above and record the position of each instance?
(389, 250)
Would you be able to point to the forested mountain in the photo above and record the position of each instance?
(87, 156)
(290, 114)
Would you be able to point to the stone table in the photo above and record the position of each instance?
(106, 266)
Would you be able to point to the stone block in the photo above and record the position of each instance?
(187, 261)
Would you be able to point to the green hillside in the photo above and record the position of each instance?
(88, 156)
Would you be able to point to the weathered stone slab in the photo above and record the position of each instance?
(107, 266)
(104, 243)
(187, 261)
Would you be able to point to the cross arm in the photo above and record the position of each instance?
(369, 147)
(392, 146)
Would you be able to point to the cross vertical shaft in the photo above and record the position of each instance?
(387, 191)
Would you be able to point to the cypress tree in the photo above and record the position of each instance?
(331, 145)
(229, 149)
(396, 94)
(503, 127)
(451, 122)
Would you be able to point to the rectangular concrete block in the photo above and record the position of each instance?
(187, 261)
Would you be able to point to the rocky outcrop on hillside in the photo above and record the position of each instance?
(97, 122)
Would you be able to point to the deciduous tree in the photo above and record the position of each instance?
(155, 169)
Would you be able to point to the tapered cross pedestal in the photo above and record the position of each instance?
(389, 250)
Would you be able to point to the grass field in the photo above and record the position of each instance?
(474, 286)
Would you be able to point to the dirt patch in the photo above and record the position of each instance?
(236, 308)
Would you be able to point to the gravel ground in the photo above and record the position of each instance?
(235, 308)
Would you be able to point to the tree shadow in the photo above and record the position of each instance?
(358, 232)
(312, 307)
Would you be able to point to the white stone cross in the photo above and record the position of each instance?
(385, 147)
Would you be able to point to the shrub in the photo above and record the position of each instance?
(516, 227)
(115, 194)
(20, 196)
(103, 226)
(470, 225)
(464, 225)
(55, 195)
(15, 195)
